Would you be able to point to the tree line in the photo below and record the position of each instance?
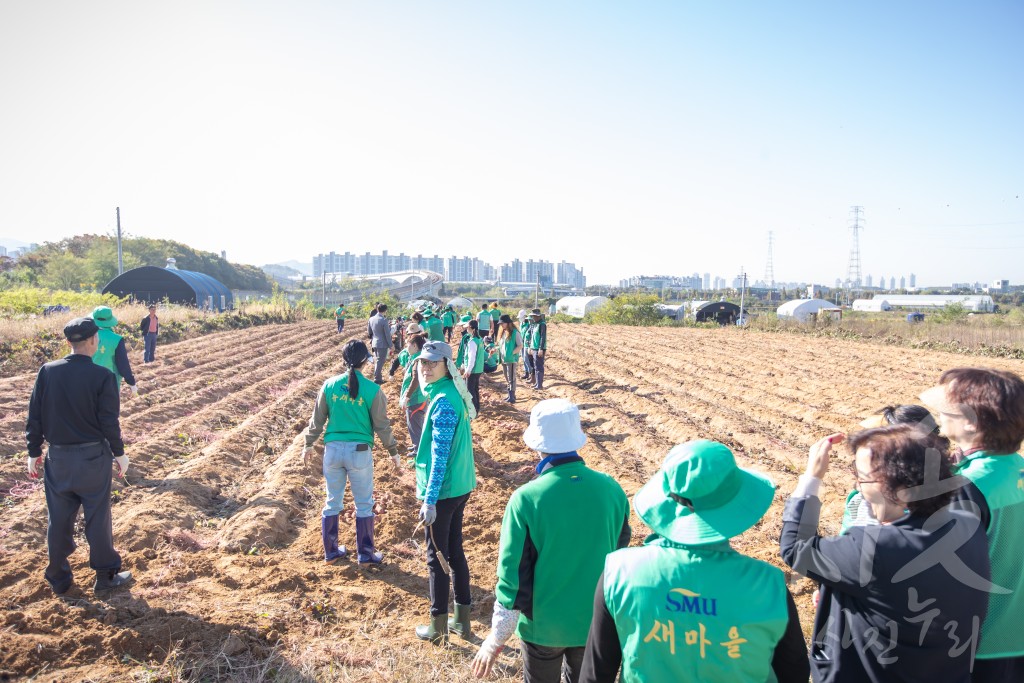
(89, 262)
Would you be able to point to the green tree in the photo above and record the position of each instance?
(65, 271)
(628, 309)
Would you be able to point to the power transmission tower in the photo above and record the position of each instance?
(769, 269)
(853, 271)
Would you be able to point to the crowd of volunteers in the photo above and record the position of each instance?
(924, 581)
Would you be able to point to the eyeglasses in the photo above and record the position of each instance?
(431, 363)
(859, 477)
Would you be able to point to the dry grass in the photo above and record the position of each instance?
(983, 335)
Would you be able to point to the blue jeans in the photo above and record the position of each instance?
(150, 353)
(343, 460)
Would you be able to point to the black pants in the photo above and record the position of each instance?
(78, 476)
(447, 532)
(473, 384)
(447, 334)
(543, 664)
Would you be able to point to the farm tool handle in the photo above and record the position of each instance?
(440, 556)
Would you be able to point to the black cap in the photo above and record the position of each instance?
(80, 329)
(505, 318)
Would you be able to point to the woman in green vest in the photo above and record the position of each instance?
(349, 410)
(111, 352)
(686, 606)
(474, 367)
(460, 357)
(981, 410)
(448, 322)
(445, 476)
(510, 343)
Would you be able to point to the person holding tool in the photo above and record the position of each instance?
(445, 476)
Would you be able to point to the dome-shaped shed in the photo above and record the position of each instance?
(150, 284)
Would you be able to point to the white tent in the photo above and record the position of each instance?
(803, 309)
(871, 305)
(461, 302)
(579, 306)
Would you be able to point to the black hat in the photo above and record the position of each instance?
(535, 311)
(505, 318)
(80, 329)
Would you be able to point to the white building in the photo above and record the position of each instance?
(871, 305)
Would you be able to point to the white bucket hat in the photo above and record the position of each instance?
(555, 427)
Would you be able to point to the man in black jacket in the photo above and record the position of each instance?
(75, 407)
(149, 328)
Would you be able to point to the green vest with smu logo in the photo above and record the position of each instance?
(104, 356)
(1000, 478)
(348, 419)
(460, 475)
(695, 614)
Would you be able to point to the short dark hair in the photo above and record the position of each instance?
(381, 308)
(996, 398)
(901, 456)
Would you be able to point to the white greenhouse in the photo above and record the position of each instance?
(981, 303)
(871, 305)
(460, 303)
(803, 310)
(579, 306)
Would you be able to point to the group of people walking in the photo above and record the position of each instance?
(923, 583)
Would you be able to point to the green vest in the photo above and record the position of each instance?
(448, 319)
(484, 318)
(508, 346)
(460, 476)
(435, 331)
(460, 358)
(478, 366)
(495, 314)
(104, 356)
(416, 397)
(349, 419)
(572, 515)
(339, 313)
(1000, 478)
(704, 614)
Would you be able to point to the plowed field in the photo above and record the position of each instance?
(219, 520)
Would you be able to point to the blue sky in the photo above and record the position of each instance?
(628, 138)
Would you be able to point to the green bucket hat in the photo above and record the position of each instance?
(104, 317)
(465, 319)
(700, 496)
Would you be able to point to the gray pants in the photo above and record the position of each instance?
(78, 476)
(414, 421)
(548, 664)
(380, 356)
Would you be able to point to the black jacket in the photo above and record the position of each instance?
(899, 602)
(144, 325)
(74, 401)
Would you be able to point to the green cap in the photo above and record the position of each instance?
(465, 319)
(104, 317)
(700, 496)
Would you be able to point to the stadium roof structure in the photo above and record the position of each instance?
(150, 284)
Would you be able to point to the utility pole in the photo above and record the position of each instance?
(853, 271)
(120, 255)
(743, 291)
